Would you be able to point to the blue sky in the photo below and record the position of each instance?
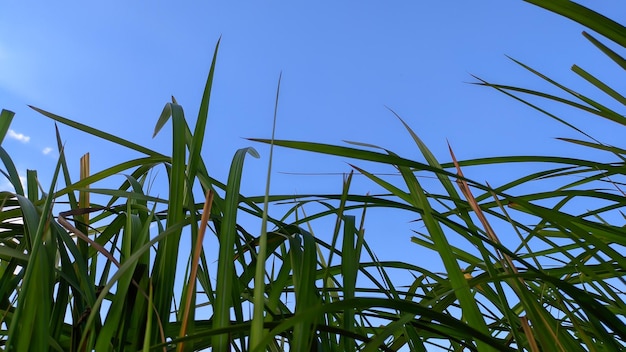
(113, 65)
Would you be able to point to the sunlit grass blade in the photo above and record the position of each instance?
(505, 90)
(602, 110)
(97, 133)
(166, 260)
(113, 170)
(303, 259)
(444, 326)
(349, 267)
(29, 328)
(615, 150)
(227, 237)
(359, 154)
(203, 114)
(599, 84)
(541, 319)
(149, 320)
(586, 17)
(129, 263)
(618, 59)
(11, 174)
(6, 116)
(471, 313)
(206, 211)
(443, 179)
(258, 317)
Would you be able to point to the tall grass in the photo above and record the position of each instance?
(538, 271)
(85, 268)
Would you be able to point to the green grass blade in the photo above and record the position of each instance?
(602, 110)
(588, 18)
(614, 150)
(11, 173)
(164, 273)
(227, 237)
(359, 154)
(349, 268)
(29, 328)
(505, 90)
(618, 59)
(97, 133)
(303, 261)
(256, 333)
(203, 114)
(458, 282)
(6, 116)
(599, 84)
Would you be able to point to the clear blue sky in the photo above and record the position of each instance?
(113, 65)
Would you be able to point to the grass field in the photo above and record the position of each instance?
(535, 264)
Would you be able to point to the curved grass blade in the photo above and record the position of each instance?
(618, 59)
(258, 317)
(11, 174)
(97, 133)
(471, 312)
(6, 116)
(166, 259)
(588, 18)
(29, 328)
(203, 114)
(228, 234)
(349, 268)
(194, 266)
(599, 84)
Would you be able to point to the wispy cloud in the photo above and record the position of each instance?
(46, 150)
(18, 136)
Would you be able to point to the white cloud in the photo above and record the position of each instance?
(19, 136)
(46, 150)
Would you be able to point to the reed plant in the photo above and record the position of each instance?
(537, 262)
(116, 268)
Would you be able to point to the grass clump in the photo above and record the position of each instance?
(84, 268)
